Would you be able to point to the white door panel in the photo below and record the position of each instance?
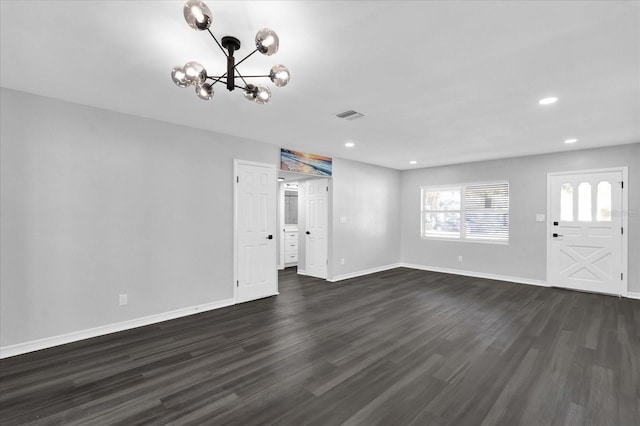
(316, 231)
(585, 248)
(256, 269)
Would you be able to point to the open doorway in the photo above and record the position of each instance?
(289, 238)
(303, 215)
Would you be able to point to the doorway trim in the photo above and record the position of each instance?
(236, 163)
(624, 219)
(280, 238)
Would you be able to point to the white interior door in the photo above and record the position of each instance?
(316, 228)
(586, 232)
(256, 268)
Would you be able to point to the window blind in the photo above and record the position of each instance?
(487, 211)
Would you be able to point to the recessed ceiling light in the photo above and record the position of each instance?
(349, 144)
(548, 101)
(571, 141)
(413, 162)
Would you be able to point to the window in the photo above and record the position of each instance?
(475, 212)
(441, 212)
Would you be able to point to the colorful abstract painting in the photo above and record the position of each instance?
(300, 162)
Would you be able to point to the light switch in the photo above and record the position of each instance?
(540, 217)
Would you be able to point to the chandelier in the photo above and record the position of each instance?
(199, 17)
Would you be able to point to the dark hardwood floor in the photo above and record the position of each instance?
(402, 347)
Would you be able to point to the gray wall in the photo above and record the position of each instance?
(96, 203)
(369, 198)
(525, 256)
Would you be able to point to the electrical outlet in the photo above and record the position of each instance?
(123, 299)
(342, 261)
(459, 258)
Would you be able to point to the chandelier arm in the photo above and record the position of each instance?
(218, 43)
(226, 82)
(240, 75)
(254, 76)
(246, 57)
(217, 79)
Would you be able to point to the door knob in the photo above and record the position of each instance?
(557, 235)
(308, 233)
(270, 237)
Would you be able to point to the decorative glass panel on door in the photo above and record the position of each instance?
(603, 212)
(566, 202)
(584, 202)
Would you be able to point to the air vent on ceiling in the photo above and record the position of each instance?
(350, 115)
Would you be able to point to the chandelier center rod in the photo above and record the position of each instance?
(231, 44)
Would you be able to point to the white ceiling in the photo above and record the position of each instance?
(439, 82)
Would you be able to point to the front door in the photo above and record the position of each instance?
(256, 268)
(316, 228)
(585, 232)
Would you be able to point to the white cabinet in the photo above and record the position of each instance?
(290, 247)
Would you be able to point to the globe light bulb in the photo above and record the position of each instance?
(179, 77)
(267, 41)
(280, 75)
(195, 73)
(262, 95)
(205, 91)
(197, 15)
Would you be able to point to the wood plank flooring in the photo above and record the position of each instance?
(401, 347)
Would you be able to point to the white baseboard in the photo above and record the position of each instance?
(518, 280)
(302, 272)
(48, 342)
(529, 281)
(364, 272)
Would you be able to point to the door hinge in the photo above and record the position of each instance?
(237, 179)
(327, 189)
(238, 283)
(621, 276)
(622, 230)
(327, 261)
(622, 184)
